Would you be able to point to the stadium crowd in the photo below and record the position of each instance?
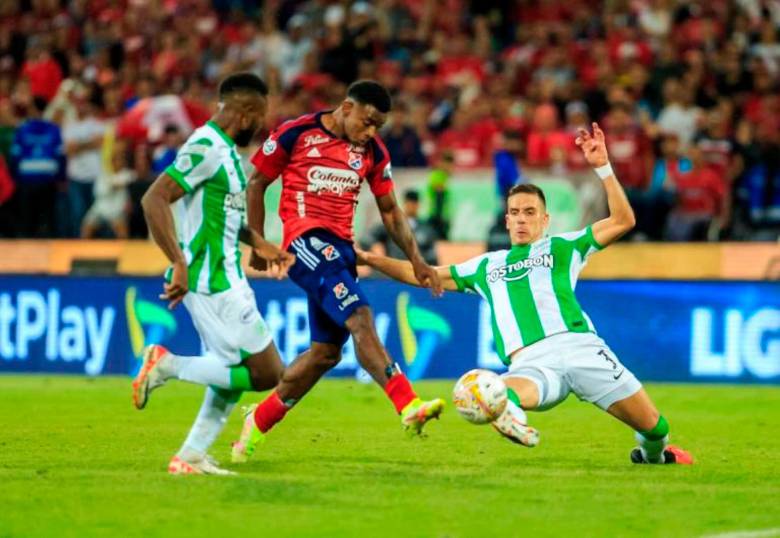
(687, 92)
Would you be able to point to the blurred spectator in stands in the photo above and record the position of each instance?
(379, 240)
(653, 202)
(577, 117)
(165, 153)
(38, 168)
(439, 195)
(468, 150)
(402, 140)
(718, 148)
(8, 121)
(679, 115)
(8, 224)
(83, 139)
(702, 202)
(506, 162)
(42, 71)
(757, 209)
(544, 138)
(630, 150)
(294, 51)
(111, 197)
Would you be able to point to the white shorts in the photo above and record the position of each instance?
(229, 323)
(581, 363)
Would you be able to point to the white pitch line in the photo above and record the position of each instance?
(762, 533)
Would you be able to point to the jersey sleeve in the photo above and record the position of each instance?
(584, 242)
(380, 176)
(192, 167)
(274, 155)
(465, 274)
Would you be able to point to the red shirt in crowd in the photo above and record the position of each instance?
(321, 175)
(629, 151)
(44, 76)
(699, 191)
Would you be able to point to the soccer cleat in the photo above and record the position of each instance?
(515, 430)
(250, 437)
(672, 454)
(418, 412)
(149, 376)
(203, 465)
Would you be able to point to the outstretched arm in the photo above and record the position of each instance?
(621, 217)
(398, 227)
(402, 270)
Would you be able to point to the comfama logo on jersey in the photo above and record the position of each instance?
(520, 269)
(421, 332)
(147, 323)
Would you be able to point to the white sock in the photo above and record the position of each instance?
(211, 419)
(652, 451)
(205, 369)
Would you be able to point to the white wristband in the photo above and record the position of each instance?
(604, 171)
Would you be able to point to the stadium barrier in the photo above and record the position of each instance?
(694, 331)
(691, 261)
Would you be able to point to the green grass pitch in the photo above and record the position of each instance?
(76, 459)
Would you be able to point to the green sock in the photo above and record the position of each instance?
(240, 378)
(653, 442)
(230, 396)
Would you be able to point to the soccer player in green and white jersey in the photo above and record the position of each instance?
(542, 334)
(208, 180)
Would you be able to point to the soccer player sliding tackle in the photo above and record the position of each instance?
(542, 334)
(208, 181)
(323, 159)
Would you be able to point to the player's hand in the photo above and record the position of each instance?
(276, 260)
(593, 146)
(427, 277)
(257, 263)
(175, 290)
(362, 256)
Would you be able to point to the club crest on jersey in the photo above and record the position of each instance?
(269, 146)
(183, 163)
(355, 161)
(520, 269)
(340, 291)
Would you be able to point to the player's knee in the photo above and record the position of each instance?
(360, 322)
(267, 378)
(325, 358)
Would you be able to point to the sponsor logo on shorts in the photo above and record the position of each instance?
(269, 146)
(318, 244)
(520, 269)
(330, 253)
(335, 180)
(348, 301)
(340, 290)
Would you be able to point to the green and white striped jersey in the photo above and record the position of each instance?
(210, 215)
(530, 288)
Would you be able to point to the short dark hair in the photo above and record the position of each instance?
(242, 82)
(368, 92)
(411, 196)
(527, 188)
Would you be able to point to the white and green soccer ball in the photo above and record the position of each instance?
(480, 396)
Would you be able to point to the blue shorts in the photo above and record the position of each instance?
(325, 267)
